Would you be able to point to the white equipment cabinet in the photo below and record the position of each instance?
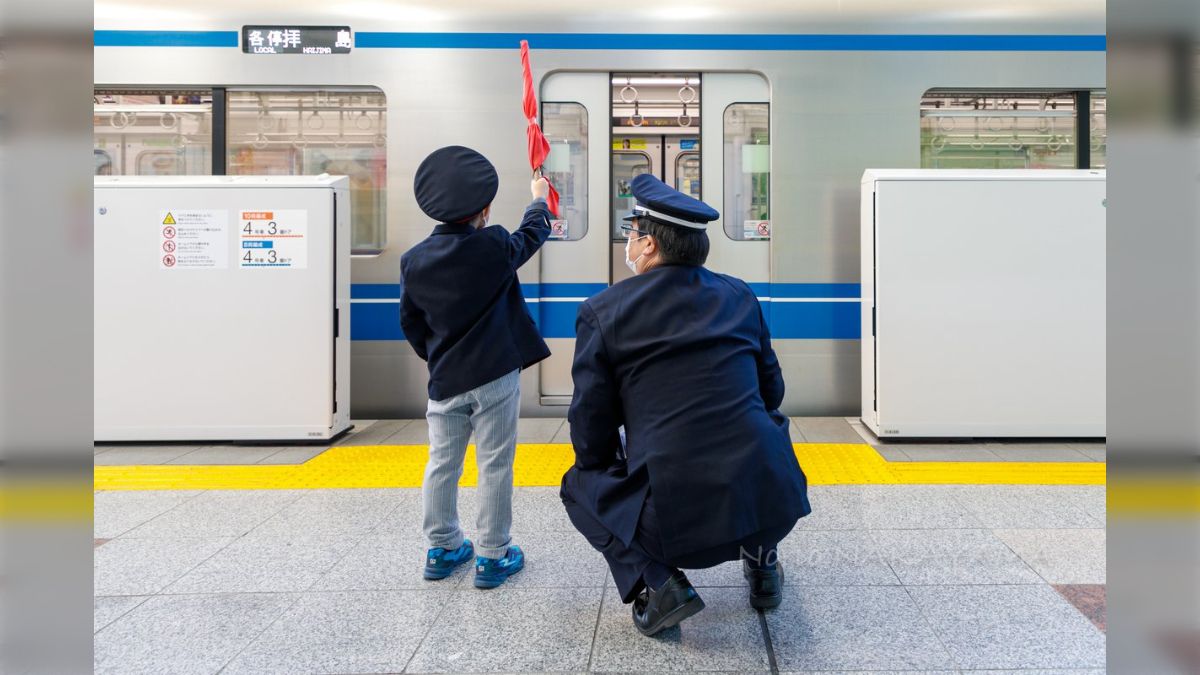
(222, 308)
(983, 303)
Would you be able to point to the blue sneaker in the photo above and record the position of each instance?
(491, 572)
(440, 563)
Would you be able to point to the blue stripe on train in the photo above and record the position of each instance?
(375, 321)
(638, 41)
(728, 42)
(814, 320)
(811, 319)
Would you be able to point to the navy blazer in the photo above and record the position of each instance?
(681, 356)
(461, 305)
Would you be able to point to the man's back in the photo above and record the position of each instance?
(697, 331)
(687, 357)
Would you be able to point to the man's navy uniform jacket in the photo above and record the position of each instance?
(461, 305)
(682, 357)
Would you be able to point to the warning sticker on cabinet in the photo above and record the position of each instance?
(192, 239)
(273, 238)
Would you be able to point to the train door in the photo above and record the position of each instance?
(574, 264)
(735, 163)
(605, 129)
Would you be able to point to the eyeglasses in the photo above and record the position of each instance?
(630, 230)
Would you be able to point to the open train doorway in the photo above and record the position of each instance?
(600, 140)
(655, 129)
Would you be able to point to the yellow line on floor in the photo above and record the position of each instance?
(396, 466)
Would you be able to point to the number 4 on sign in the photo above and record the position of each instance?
(246, 229)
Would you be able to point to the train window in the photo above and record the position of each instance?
(313, 131)
(626, 165)
(566, 127)
(1006, 130)
(747, 171)
(687, 173)
(152, 133)
(1099, 130)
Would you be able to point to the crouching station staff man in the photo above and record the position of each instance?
(703, 470)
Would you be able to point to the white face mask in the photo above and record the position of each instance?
(632, 264)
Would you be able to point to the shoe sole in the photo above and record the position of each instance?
(493, 582)
(676, 617)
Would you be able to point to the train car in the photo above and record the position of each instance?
(769, 111)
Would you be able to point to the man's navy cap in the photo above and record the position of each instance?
(455, 183)
(657, 200)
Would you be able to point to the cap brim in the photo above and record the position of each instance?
(631, 216)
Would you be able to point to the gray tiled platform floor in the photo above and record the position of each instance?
(880, 577)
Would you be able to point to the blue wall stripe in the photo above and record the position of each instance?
(165, 38)
(635, 41)
(729, 42)
(813, 320)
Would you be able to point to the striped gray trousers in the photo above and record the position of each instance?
(491, 411)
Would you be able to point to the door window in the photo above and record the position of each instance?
(747, 165)
(626, 165)
(687, 173)
(566, 127)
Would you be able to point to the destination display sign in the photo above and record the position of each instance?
(297, 39)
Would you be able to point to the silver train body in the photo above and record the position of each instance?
(843, 81)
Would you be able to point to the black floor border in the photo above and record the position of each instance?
(766, 633)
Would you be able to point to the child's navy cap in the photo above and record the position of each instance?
(455, 183)
(657, 200)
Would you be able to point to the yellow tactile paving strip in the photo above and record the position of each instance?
(387, 466)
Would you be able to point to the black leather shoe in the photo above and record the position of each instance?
(766, 586)
(674, 601)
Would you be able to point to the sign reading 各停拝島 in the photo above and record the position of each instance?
(297, 39)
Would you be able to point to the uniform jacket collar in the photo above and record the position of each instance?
(454, 228)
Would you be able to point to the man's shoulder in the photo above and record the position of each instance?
(733, 283)
(607, 299)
